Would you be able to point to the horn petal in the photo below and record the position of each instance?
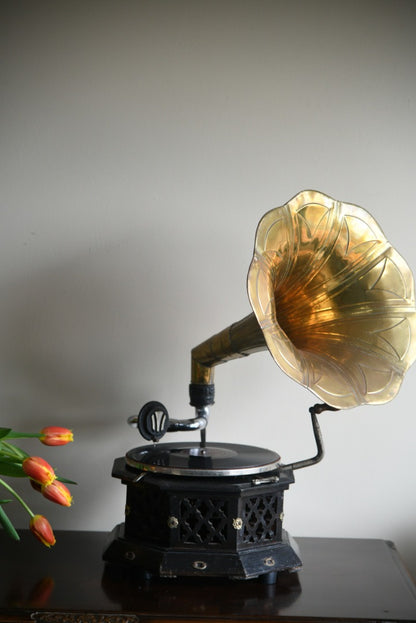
(334, 299)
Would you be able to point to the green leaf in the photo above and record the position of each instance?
(9, 458)
(5, 501)
(8, 449)
(4, 432)
(8, 526)
(66, 480)
(10, 468)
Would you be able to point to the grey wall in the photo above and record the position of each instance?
(141, 144)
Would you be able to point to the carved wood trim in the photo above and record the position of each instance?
(82, 617)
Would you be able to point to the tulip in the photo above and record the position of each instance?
(57, 492)
(38, 470)
(56, 436)
(42, 530)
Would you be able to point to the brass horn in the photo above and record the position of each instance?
(332, 301)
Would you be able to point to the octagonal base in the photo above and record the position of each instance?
(225, 526)
(164, 562)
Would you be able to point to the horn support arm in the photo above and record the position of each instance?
(238, 340)
(314, 411)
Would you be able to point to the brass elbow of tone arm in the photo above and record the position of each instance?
(238, 340)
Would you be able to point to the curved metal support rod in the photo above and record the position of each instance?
(316, 409)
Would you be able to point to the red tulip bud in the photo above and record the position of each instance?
(42, 530)
(38, 470)
(56, 436)
(57, 492)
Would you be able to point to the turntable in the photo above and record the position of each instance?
(334, 304)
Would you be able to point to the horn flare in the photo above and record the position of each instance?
(334, 299)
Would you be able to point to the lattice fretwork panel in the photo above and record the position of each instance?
(261, 519)
(146, 514)
(203, 521)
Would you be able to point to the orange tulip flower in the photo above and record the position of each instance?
(57, 492)
(42, 530)
(56, 436)
(38, 470)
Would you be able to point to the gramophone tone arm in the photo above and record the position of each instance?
(238, 340)
(199, 422)
(153, 421)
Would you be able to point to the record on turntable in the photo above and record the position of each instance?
(188, 459)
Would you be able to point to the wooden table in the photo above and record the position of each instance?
(341, 580)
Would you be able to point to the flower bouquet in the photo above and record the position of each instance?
(16, 463)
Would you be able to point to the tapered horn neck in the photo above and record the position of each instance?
(238, 340)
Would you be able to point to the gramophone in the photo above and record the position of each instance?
(334, 304)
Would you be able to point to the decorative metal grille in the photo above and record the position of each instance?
(146, 512)
(203, 521)
(261, 519)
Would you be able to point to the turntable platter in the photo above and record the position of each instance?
(189, 459)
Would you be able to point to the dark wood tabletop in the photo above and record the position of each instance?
(341, 580)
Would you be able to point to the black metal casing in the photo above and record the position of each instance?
(229, 526)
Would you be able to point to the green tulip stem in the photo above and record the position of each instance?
(16, 435)
(17, 496)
